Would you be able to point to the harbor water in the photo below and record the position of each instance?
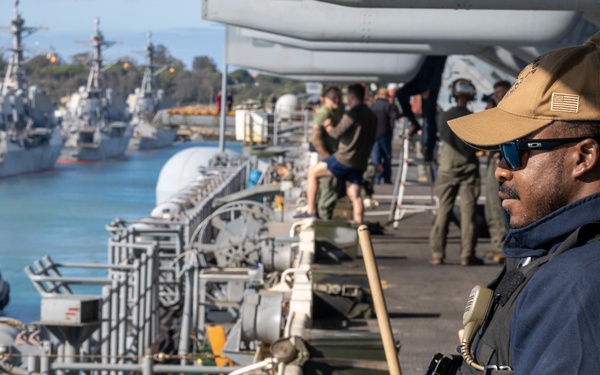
(63, 213)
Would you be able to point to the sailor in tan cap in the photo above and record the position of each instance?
(543, 316)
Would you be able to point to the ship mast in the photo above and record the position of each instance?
(15, 78)
(147, 80)
(95, 83)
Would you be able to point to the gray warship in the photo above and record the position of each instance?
(29, 138)
(96, 122)
(144, 103)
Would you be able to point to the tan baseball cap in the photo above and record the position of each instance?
(560, 85)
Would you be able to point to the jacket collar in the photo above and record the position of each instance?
(544, 236)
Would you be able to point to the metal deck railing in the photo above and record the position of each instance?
(146, 281)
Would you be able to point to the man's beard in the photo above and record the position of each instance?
(554, 198)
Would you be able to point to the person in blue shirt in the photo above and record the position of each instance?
(543, 318)
(381, 154)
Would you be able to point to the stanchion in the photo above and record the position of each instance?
(383, 320)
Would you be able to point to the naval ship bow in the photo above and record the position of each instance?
(29, 138)
(96, 120)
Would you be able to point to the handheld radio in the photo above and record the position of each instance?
(476, 310)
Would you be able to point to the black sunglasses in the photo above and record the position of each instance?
(510, 151)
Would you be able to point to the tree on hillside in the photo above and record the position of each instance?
(207, 79)
(204, 64)
(185, 88)
(80, 58)
(241, 76)
(162, 55)
(124, 77)
(196, 86)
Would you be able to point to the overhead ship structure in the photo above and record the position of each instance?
(380, 41)
(29, 138)
(96, 122)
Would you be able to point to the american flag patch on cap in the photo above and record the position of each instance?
(564, 102)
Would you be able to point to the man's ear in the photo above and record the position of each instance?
(585, 155)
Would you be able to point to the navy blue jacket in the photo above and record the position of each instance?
(556, 322)
(386, 115)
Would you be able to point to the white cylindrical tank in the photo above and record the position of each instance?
(183, 168)
(287, 103)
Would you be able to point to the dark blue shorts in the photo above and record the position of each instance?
(340, 171)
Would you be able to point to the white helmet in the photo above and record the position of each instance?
(463, 87)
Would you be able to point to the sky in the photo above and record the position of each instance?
(69, 24)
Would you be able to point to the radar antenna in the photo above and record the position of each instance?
(95, 83)
(15, 78)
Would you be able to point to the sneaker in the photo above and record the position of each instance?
(472, 261)
(369, 203)
(374, 203)
(495, 256)
(304, 215)
(499, 258)
(436, 261)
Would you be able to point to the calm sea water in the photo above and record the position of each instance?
(63, 212)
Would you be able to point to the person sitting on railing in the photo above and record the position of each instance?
(330, 188)
(356, 133)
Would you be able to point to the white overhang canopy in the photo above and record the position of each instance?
(473, 4)
(281, 60)
(320, 21)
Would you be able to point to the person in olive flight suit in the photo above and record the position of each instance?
(458, 175)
